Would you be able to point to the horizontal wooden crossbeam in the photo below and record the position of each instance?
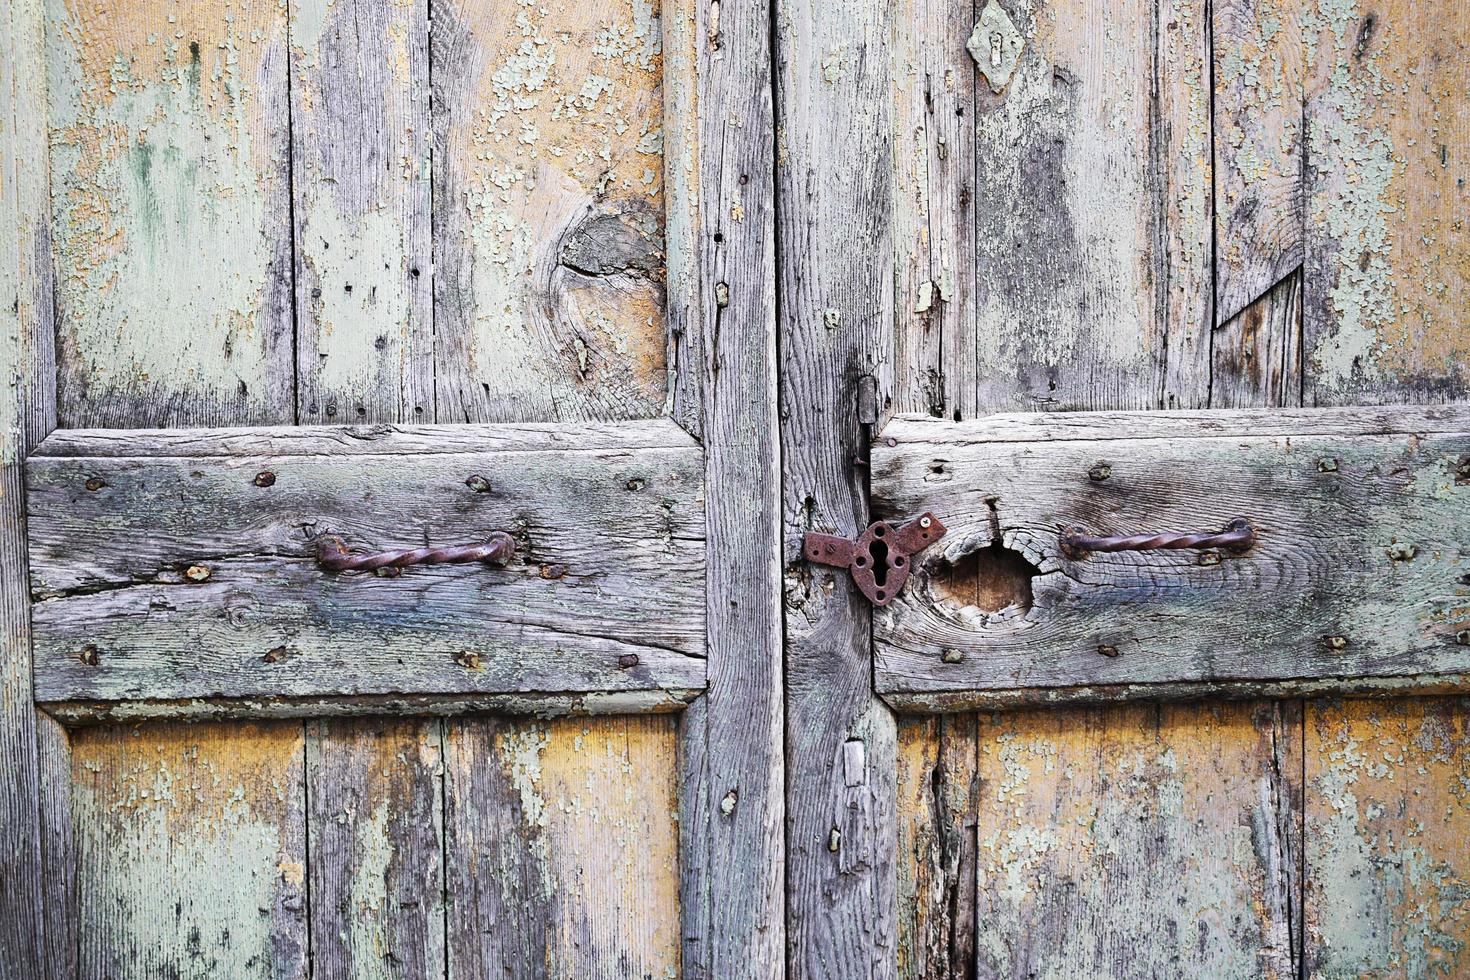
(1357, 578)
(175, 570)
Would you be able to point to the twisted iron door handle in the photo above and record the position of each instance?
(332, 554)
(1238, 535)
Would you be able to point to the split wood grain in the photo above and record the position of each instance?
(170, 159)
(1355, 571)
(360, 148)
(191, 850)
(563, 848)
(36, 914)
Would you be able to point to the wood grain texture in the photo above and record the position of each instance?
(171, 212)
(1092, 205)
(1138, 840)
(548, 211)
(609, 567)
(376, 846)
(34, 897)
(739, 818)
(1357, 571)
(562, 845)
(361, 140)
(1258, 353)
(1258, 91)
(835, 274)
(1386, 817)
(938, 806)
(191, 848)
(1387, 247)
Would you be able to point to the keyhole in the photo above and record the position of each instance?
(879, 551)
(995, 41)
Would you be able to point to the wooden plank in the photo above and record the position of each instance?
(834, 197)
(360, 145)
(1092, 211)
(377, 876)
(191, 846)
(1357, 571)
(1258, 88)
(1138, 840)
(548, 211)
(938, 804)
(1258, 354)
(606, 592)
(562, 848)
(169, 157)
(1387, 247)
(34, 899)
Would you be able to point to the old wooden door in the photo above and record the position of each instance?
(1217, 233)
(411, 275)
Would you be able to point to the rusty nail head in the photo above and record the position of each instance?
(388, 572)
(89, 656)
(274, 655)
(197, 573)
(727, 805)
(1327, 465)
(1337, 642)
(1463, 470)
(265, 478)
(553, 571)
(468, 659)
(1463, 638)
(95, 483)
(478, 484)
(1399, 551)
(834, 840)
(1100, 472)
(628, 660)
(636, 483)
(1107, 650)
(1209, 558)
(952, 656)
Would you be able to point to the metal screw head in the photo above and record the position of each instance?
(1100, 472)
(926, 521)
(1327, 464)
(952, 656)
(197, 573)
(95, 483)
(1107, 650)
(265, 478)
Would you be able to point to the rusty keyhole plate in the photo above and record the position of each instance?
(881, 558)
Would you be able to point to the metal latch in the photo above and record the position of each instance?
(879, 559)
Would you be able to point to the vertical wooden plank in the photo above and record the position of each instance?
(1387, 246)
(743, 855)
(1092, 210)
(1112, 846)
(377, 876)
(548, 211)
(934, 208)
(1258, 353)
(1258, 101)
(834, 201)
(1387, 881)
(563, 848)
(360, 163)
(938, 802)
(171, 212)
(33, 903)
(191, 844)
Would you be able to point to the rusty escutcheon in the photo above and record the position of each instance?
(879, 559)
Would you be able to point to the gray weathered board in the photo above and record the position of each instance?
(605, 592)
(1360, 571)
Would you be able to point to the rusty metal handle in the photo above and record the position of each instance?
(332, 554)
(1238, 535)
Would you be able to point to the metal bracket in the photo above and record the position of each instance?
(879, 559)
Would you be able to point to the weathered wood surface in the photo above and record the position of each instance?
(548, 211)
(171, 222)
(1139, 840)
(360, 147)
(609, 568)
(834, 196)
(191, 851)
(562, 848)
(376, 846)
(1358, 568)
(35, 910)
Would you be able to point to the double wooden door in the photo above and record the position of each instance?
(655, 291)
